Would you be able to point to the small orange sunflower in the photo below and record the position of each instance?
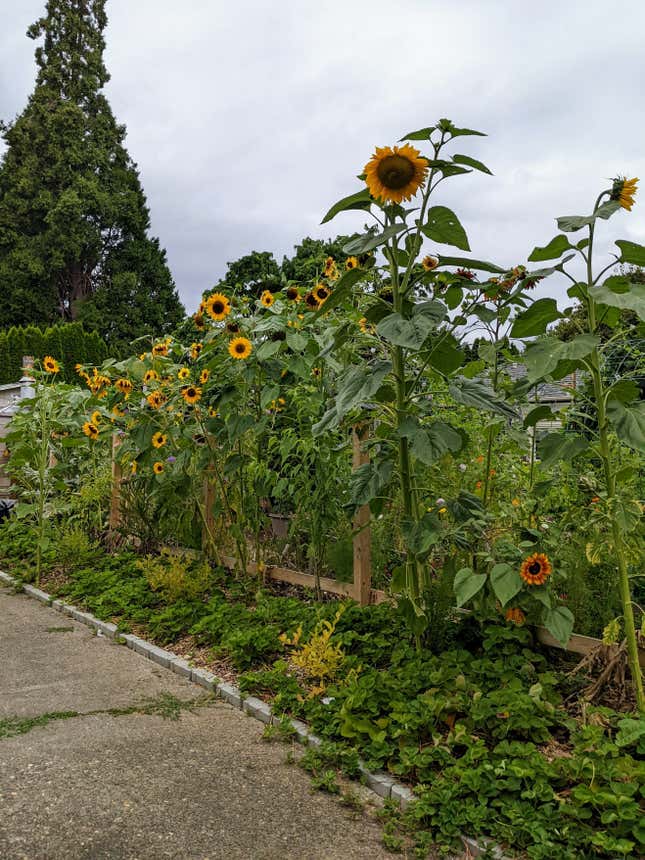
(321, 293)
(183, 373)
(91, 431)
(191, 393)
(394, 174)
(240, 347)
(429, 263)
(536, 569)
(203, 376)
(158, 467)
(159, 440)
(218, 306)
(515, 615)
(624, 191)
(351, 263)
(50, 364)
(267, 298)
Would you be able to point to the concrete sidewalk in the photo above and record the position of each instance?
(140, 785)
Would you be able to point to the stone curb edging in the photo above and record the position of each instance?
(377, 781)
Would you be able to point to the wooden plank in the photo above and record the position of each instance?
(295, 577)
(208, 524)
(115, 496)
(578, 644)
(362, 540)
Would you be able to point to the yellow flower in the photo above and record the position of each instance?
(292, 293)
(195, 349)
(429, 263)
(624, 191)
(133, 467)
(267, 298)
(150, 376)
(124, 386)
(515, 615)
(316, 371)
(536, 569)
(155, 399)
(91, 431)
(203, 376)
(321, 293)
(232, 327)
(394, 174)
(516, 502)
(311, 301)
(160, 349)
(443, 510)
(96, 417)
(212, 412)
(240, 347)
(158, 467)
(198, 320)
(50, 364)
(218, 306)
(118, 413)
(143, 356)
(351, 263)
(184, 373)
(329, 270)
(159, 440)
(191, 393)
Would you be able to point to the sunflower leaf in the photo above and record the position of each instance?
(371, 240)
(467, 584)
(572, 223)
(360, 200)
(421, 134)
(558, 446)
(465, 263)
(472, 162)
(559, 623)
(342, 288)
(618, 292)
(471, 392)
(631, 252)
(536, 318)
(555, 248)
(506, 582)
(629, 422)
(444, 227)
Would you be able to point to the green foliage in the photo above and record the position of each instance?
(176, 575)
(69, 344)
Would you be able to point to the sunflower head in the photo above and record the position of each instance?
(624, 190)
(183, 373)
(133, 467)
(232, 327)
(159, 440)
(198, 320)
(96, 417)
(155, 399)
(50, 365)
(195, 349)
(158, 467)
(203, 376)
(311, 301)
(536, 569)
(316, 372)
(292, 293)
(351, 263)
(240, 347)
(150, 376)
(267, 298)
(429, 263)
(321, 293)
(330, 269)
(123, 385)
(218, 306)
(515, 615)
(91, 431)
(191, 393)
(160, 349)
(394, 174)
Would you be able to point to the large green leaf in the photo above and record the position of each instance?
(471, 392)
(559, 446)
(619, 292)
(471, 162)
(571, 223)
(420, 536)
(360, 200)
(368, 481)
(406, 333)
(467, 584)
(444, 227)
(359, 384)
(540, 413)
(631, 252)
(421, 134)
(446, 357)
(429, 444)
(536, 318)
(543, 357)
(297, 341)
(267, 349)
(446, 125)
(466, 263)
(555, 248)
(506, 582)
(559, 623)
(629, 422)
(372, 239)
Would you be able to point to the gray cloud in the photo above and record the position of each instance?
(248, 120)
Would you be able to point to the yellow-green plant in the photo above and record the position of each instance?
(318, 658)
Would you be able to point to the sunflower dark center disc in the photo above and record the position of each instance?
(395, 171)
(536, 567)
(218, 307)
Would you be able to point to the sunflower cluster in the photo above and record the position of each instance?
(96, 382)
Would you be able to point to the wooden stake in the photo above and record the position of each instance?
(362, 537)
(115, 498)
(208, 524)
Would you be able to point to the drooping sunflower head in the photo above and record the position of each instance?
(624, 190)
(240, 347)
(267, 298)
(91, 431)
(183, 373)
(536, 569)
(50, 365)
(203, 376)
(159, 439)
(330, 270)
(218, 306)
(198, 320)
(292, 293)
(316, 372)
(191, 393)
(160, 349)
(96, 417)
(155, 399)
(150, 376)
(195, 349)
(321, 293)
(515, 615)
(158, 467)
(429, 263)
(123, 385)
(311, 301)
(394, 174)
(232, 327)
(351, 263)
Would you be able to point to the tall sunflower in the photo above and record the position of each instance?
(351, 263)
(267, 298)
(536, 569)
(191, 393)
(150, 376)
(624, 191)
(91, 431)
(311, 301)
(203, 376)
(159, 439)
(321, 293)
(394, 174)
(292, 293)
(160, 349)
(183, 373)
(123, 385)
(195, 349)
(240, 347)
(50, 365)
(218, 306)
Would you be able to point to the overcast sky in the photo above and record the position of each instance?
(249, 119)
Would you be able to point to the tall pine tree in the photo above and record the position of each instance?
(73, 216)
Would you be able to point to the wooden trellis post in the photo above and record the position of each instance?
(208, 524)
(362, 537)
(115, 498)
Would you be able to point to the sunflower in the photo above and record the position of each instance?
(118, 413)
(184, 373)
(267, 298)
(50, 364)
(212, 412)
(133, 467)
(429, 263)
(96, 417)
(317, 372)
(311, 301)
(203, 376)
(191, 393)
(160, 349)
(198, 320)
(218, 306)
(536, 569)
(330, 270)
(394, 174)
(232, 327)
(321, 293)
(91, 431)
(240, 347)
(624, 190)
(123, 385)
(155, 399)
(292, 293)
(158, 467)
(515, 614)
(159, 439)
(150, 376)
(195, 349)
(351, 263)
